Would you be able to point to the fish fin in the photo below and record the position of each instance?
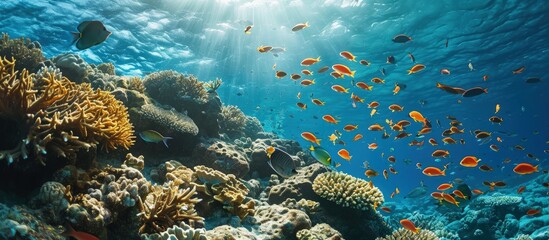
(312, 148)
(69, 231)
(165, 141)
(353, 74)
(75, 37)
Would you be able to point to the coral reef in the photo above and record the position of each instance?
(407, 234)
(224, 232)
(297, 186)
(278, 222)
(498, 200)
(134, 162)
(213, 85)
(232, 121)
(258, 156)
(18, 222)
(169, 87)
(181, 232)
(221, 156)
(347, 191)
(167, 206)
(72, 66)
(28, 54)
(319, 232)
(171, 121)
(53, 115)
(227, 190)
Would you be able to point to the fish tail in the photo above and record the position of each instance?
(165, 141)
(353, 74)
(318, 58)
(75, 37)
(318, 141)
(69, 231)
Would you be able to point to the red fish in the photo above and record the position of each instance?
(70, 232)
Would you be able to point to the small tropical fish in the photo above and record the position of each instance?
(396, 89)
(525, 168)
(390, 60)
(445, 71)
(307, 82)
(485, 77)
(357, 137)
(373, 112)
(375, 127)
(340, 89)
(90, 33)
(519, 70)
(295, 76)
(310, 61)
(393, 171)
(373, 104)
(371, 173)
(323, 69)
(307, 72)
(356, 98)
(264, 49)
(378, 80)
(281, 162)
(301, 105)
(433, 142)
(385, 174)
(485, 168)
(476, 191)
(409, 225)
(495, 119)
(364, 62)
(336, 75)
(386, 209)
(248, 29)
(340, 68)
(402, 38)
(333, 138)
(280, 74)
(449, 198)
(372, 146)
(444, 186)
(329, 118)
(347, 55)
(423, 131)
(300, 26)
(343, 153)
(403, 135)
(450, 89)
(322, 156)
(350, 127)
(470, 65)
(395, 108)
(154, 137)
(533, 212)
(481, 135)
(521, 189)
(434, 171)
(460, 194)
(382, 71)
(472, 92)
(411, 57)
(70, 232)
(416, 116)
(416, 68)
(497, 108)
(391, 159)
(469, 161)
(310, 137)
(318, 102)
(494, 148)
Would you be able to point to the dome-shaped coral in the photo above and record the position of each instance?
(402, 234)
(347, 191)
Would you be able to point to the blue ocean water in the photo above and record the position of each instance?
(206, 39)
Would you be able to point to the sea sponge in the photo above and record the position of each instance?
(402, 233)
(169, 87)
(167, 206)
(232, 120)
(172, 120)
(50, 114)
(28, 54)
(227, 190)
(347, 191)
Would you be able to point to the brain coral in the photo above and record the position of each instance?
(402, 233)
(170, 87)
(47, 113)
(347, 191)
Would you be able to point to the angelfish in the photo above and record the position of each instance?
(90, 33)
(281, 162)
(154, 137)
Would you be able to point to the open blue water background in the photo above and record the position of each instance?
(205, 38)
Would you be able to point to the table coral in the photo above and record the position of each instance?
(347, 191)
(51, 114)
(167, 206)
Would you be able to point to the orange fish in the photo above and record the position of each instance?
(357, 137)
(340, 68)
(310, 61)
(264, 49)
(280, 74)
(372, 146)
(445, 71)
(306, 72)
(437, 196)
(434, 171)
(377, 80)
(349, 56)
(344, 154)
(385, 174)
(70, 232)
(302, 105)
(340, 89)
(373, 104)
(416, 116)
(386, 209)
(525, 168)
(393, 171)
(295, 76)
(329, 118)
(424, 131)
(416, 68)
(375, 127)
(469, 161)
(395, 108)
(363, 85)
(449, 198)
(418, 165)
(476, 191)
(533, 212)
(350, 127)
(364, 62)
(521, 189)
(494, 147)
(458, 193)
(440, 153)
(374, 111)
(409, 225)
(323, 69)
(336, 75)
(391, 159)
(310, 137)
(519, 70)
(396, 89)
(485, 77)
(370, 173)
(307, 82)
(356, 98)
(433, 142)
(444, 186)
(318, 102)
(448, 140)
(403, 123)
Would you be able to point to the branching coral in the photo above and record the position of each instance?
(227, 190)
(232, 120)
(347, 191)
(212, 86)
(402, 233)
(135, 83)
(51, 114)
(28, 54)
(166, 206)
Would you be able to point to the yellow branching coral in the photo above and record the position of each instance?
(227, 190)
(51, 114)
(212, 86)
(347, 191)
(167, 206)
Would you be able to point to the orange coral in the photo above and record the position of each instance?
(55, 115)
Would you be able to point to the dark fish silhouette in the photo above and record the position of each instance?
(90, 33)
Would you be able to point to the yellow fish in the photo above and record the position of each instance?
(333, 138)
(497, 108)
(374, 111)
